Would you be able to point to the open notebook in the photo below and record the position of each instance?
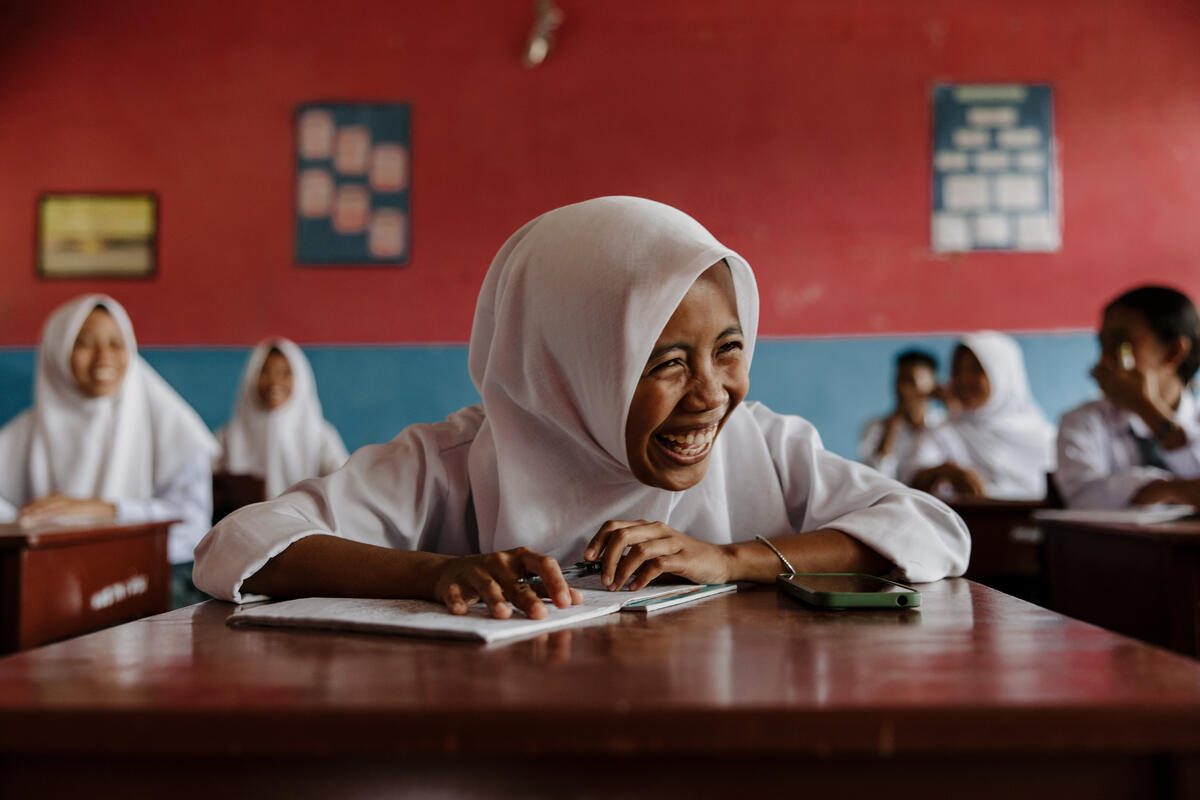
(1137, 515)
(426, 618)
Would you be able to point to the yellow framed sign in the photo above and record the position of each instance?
(97, 235)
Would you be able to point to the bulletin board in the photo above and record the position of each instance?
(353, 168)
(995, 176)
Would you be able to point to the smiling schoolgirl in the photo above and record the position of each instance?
(611, 347)
(106, 437)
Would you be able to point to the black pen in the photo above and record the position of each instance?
(580, 569)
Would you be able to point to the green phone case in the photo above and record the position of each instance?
(890, 595)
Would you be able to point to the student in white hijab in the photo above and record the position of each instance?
(611, 346)
(999, 445)
(278, 431)
(106, 437)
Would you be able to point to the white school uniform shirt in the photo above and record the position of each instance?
(143, 449)
(283, 445)
(902, 445)
(1007, 442)
(1100, 464)
(566, 319)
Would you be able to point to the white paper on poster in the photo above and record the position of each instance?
(1019, 192)
(951, 233)
(965, 192)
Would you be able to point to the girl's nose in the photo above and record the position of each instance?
(706, 391)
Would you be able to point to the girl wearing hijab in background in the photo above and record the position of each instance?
(278, 431)
(1140, 444)
(611, 347)
(999, 445)
(107, 438)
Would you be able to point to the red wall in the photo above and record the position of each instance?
(797, 130)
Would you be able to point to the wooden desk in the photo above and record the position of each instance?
(1006, 545)
(58, 581)
(1141, 580)
(744, 694)
(232, 491)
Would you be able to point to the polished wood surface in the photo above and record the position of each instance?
(63, 580)
(750, 691)
(1141, 580)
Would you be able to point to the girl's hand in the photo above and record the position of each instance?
(61, 505)
(493, 578)
(1129, 389)
(964, 482)
(644, 550)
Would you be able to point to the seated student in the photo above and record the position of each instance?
(611, 347)
(1140, 444)
(886, 442)
(999, 444)
(107, 437)
(278, 431)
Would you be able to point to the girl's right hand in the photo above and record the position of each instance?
(493, 578)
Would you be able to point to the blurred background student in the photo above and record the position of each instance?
(278, 430)
(999, 445)
(1140, 443)
(886, 442)
(107, 438)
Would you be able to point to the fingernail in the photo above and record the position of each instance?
(587, 555)
(606, 580)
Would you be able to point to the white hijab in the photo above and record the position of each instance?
(1008, 437)
(282, 445)
(125, 445)
(567, 316)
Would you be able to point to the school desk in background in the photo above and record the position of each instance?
(58, 581)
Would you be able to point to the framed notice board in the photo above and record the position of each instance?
(995, 176)
(352, 183)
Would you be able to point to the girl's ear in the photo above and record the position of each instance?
(1175, 352)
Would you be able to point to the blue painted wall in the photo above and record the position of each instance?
(370, 393)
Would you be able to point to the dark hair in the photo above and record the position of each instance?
(1169, 314)
(917, 358)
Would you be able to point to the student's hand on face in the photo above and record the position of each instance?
(944, 396)
(492, 578)
(650, 549)
(61, 505)
(1126, 388)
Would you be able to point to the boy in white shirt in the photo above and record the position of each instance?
(886, 442)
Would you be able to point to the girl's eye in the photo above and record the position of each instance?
(674, 362)
(729, 347)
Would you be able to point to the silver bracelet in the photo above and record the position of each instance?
(791, 570)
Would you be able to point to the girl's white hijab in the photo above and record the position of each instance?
(1008, 435)
(124, 445)
(568, 314)
(282, 445)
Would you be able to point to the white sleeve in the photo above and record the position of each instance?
(333, 450)
(391, 495)
(187, 496)
(8, 512)
(917, 532)
(1085, 476)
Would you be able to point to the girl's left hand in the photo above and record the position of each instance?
(654, 549)
(1129, 389)
(61, 505)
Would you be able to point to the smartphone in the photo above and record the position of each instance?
(848, 590)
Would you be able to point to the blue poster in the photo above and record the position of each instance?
(353, 168)
(995, 175)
